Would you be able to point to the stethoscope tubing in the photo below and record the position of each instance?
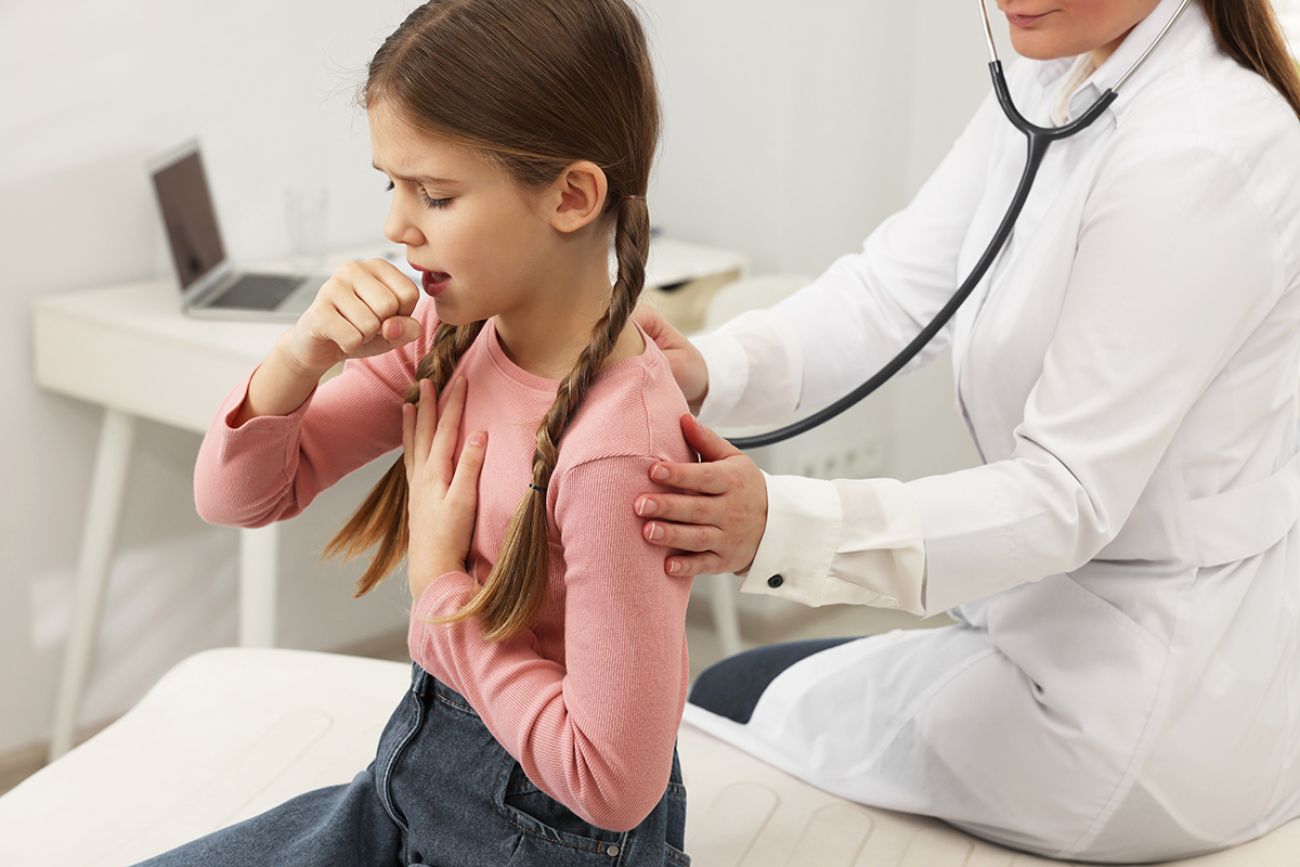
(1038, 139)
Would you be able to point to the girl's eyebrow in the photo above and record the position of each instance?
(424, 179)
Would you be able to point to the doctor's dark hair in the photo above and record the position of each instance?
(1248, 31)
(532, 87)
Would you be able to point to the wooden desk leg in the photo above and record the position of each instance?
(258, 555)
(116, 436)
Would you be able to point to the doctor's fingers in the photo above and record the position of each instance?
(717, 477)
(708, 563)
(684, 508)
(684, 537)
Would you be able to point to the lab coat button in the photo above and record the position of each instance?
(775, 581)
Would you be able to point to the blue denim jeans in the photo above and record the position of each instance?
(440, 791)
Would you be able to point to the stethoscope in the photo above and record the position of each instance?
(1039, 138)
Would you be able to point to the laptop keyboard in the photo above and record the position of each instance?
(257, 292)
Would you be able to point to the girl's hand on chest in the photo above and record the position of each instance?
(442, 495)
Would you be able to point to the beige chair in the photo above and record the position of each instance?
(229, 733)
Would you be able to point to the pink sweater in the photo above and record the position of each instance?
(589, 700)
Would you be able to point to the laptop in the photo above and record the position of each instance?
(210, 286)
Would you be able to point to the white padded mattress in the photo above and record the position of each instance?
(229, 733)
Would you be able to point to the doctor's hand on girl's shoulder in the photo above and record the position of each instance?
(363, 309)
(442, 494)
(686, 361)
(718, 519)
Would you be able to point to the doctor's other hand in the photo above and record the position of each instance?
(686, 361)
(363, 309)
(720, 515)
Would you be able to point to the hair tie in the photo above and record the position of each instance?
(537, 488)
(636, 198)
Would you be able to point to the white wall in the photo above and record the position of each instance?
(949, 77)
(91, 89)
(1289, 14)
(792, 134)
(788, 135)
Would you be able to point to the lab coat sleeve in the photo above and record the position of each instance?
(754, 348)
(847, 542)
(821, 342)
(1154, 310)
(1177, 264)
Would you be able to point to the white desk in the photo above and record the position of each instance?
(129, 349)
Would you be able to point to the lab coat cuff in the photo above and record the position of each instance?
(728, 367)
(804, 521)
(880, 560)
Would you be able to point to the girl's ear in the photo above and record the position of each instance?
(577, 198)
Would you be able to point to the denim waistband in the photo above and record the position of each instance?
(426, 686)
(420, 680)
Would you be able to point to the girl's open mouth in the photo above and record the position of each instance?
(434, 282)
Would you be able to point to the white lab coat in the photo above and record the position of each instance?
(1124, 679)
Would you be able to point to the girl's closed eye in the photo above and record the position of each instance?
(428, 202)
(433, 203)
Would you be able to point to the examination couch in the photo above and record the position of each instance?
(229, 733)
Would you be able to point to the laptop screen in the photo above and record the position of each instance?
(191, 221)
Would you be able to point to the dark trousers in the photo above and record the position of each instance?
(731, 687)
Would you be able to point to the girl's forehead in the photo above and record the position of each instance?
(401, 148)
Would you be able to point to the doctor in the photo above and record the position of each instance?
(1123, 680)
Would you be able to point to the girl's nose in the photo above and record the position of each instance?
(400, 230)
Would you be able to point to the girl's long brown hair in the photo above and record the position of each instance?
(533, 86)
(1248, 31)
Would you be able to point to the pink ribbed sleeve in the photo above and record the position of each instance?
(272, 467)
(598, 732)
